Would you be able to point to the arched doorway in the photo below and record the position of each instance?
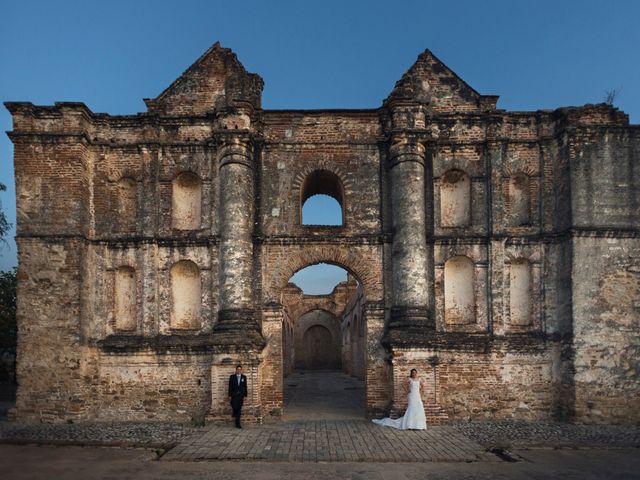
(321, 384)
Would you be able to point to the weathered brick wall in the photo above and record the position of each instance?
(604, 164)
(50, 359)
(273, 365)
(353, 326)
(501, 385)
(606, 297)
(53, 212)
(299, 144)
(148, 386)
(495, 251)
(606, 273)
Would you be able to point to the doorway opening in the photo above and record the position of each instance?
(324, 344)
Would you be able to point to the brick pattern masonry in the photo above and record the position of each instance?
(498, 252)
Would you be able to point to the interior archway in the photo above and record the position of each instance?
(320, 348)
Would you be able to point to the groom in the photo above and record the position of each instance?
(237, 393)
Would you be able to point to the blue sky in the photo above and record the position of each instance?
(329, 54)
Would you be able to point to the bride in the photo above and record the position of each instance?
(414, 418)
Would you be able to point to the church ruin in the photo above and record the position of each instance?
(498, 252)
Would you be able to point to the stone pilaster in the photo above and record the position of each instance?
(378, 374)
(271, 367)
(409, 247)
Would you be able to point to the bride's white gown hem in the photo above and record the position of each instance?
(414, 417)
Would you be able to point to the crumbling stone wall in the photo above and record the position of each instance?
(606, 289)
(495, 251)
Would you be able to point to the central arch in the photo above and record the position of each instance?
(361, 331)
(364, 262)
(320, 386)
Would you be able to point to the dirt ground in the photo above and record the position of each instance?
(18, 462)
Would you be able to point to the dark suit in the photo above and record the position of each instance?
(237, 392)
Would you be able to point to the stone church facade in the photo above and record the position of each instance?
(497, 252)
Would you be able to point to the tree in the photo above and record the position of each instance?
(5, 226)
(611, 95)
(8, 325)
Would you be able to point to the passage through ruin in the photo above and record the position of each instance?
(324, 347)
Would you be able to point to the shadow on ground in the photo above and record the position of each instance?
(323, 395)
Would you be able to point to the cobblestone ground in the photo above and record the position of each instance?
(505, 435)
(340, 440)
(324, 424)
(127, 434)
(329, 440)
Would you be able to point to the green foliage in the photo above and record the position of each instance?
(8, 328)
(5, 226)
(8, 325)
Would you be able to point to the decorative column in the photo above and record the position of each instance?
(409, 309)
(236, 324)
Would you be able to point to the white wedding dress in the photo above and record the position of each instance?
(414, 417)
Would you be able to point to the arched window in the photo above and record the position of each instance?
(519, 205)
(455, 199)
(322, 201)
(459, 296)
(125, 299)
(126, 204)
(186, 201)
(520, 292)
(186, 291)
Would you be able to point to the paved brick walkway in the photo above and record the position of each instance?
(328, 441)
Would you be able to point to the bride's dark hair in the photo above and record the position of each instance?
(411, 372)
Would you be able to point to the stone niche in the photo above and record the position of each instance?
(459, 297)
(520, 292)
(186, 201)
(126, 204)
(125, 299)
(518, 200)
(186, 294)
(455, 199)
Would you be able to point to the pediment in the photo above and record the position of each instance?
(215, 81)
(431, 83)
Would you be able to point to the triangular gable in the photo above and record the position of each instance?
(216, 80)
(432, 83)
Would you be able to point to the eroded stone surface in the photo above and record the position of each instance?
(497, 252)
